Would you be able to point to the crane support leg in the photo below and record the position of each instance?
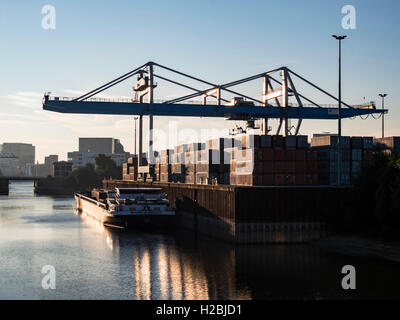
(151, 82)
(140, 139)
(280, 126)
(285, 97)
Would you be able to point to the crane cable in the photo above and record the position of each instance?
(380, 115)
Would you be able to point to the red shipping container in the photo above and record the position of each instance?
(279, 179)
(258, 155)
(301, 179)
(279, 166)
(268, 179)
(312, 166)
(258, 167)
(312, 179)
(268, 154)
(311, 155)
(290, 155)
(300, 155)
(279, 155)
(300, 167)
(268, 166)
(290, 167)
(290, 179)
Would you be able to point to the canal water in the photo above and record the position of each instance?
(94, 262)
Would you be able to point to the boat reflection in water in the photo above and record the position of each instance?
(189, 266)
(162, 269)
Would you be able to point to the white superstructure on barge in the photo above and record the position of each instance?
(126, 206)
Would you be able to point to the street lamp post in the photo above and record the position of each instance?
(383, 95)
(135, 118)
(339, 146)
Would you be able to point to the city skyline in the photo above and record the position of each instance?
(213, 46)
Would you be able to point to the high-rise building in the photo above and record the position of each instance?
(100, 145)
(25, 153)
(90, 148)
(42, 169)
(48, 162)
(9, 164)
(61, 169)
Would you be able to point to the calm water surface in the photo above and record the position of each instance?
(93, 262)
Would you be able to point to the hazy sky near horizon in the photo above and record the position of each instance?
(219, 40)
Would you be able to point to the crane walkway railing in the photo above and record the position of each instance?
(198, 102)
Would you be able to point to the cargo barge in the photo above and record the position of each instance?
(252, 214)
(127, 207)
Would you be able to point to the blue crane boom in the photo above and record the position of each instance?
(282, 109)
(241, 107)
(111, 107)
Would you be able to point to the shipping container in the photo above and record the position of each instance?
(268, 179)
(278, 142)
(302, 142)
(392, 143)
(356, 142)
(356, 154)
(266, 141)
(290, 142)
(268, 154)
(368, 142)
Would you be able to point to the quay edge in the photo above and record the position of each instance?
(250, 215)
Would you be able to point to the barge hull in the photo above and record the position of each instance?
(251, 214)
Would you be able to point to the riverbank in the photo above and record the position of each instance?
(359, 246)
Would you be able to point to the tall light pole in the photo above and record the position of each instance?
(339, 146)
(135, 118)
(383, 95)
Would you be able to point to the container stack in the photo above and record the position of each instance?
(165, 161)
(190, 161)
(355, 152)
(388, 143)
(213, 161)
(326, 147)
(130, 169)
(274, 160)
(178, 164)
(361, 154)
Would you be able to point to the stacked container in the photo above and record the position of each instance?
(130, 169)
(213, 162)
(274, 160)
(165, 163)
(388, 143)
(355, 152)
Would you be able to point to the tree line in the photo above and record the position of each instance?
(91, 176)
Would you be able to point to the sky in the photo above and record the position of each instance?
(220, 41)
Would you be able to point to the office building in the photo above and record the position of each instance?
(61, 169)
(90, 148)
(100, 145)
(25, 153)
(9, 165)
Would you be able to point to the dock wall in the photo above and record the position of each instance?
(53, 186)
(3, 186)
(251, 214)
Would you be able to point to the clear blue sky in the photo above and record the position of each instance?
(220, 40)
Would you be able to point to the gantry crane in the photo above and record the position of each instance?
(240, 107)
